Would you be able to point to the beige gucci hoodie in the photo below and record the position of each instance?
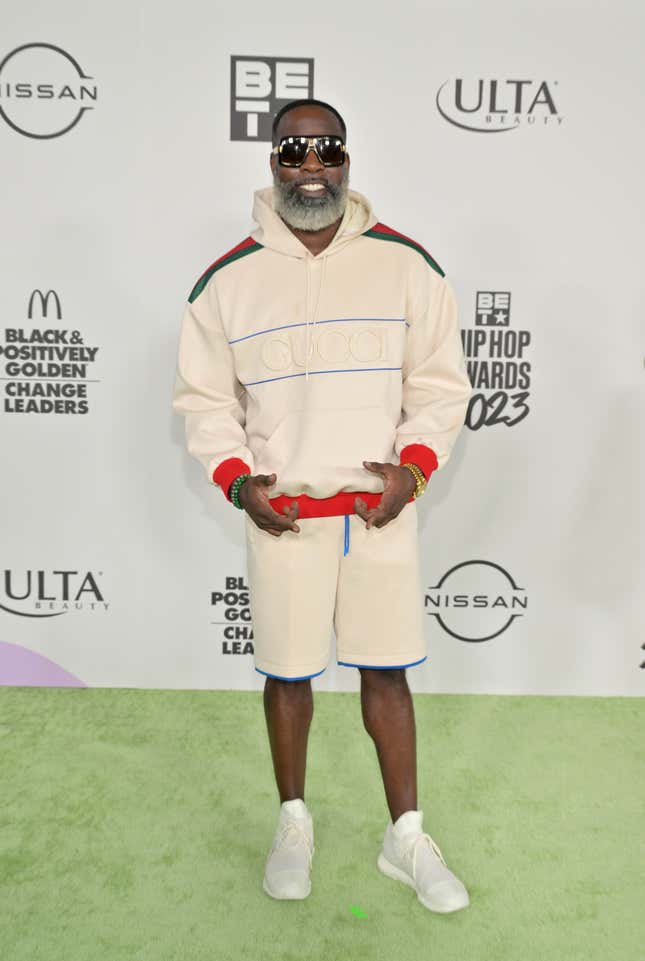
(306, 366)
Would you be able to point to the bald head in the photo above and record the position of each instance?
(339, 130)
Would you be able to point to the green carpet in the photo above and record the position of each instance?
(134, 826)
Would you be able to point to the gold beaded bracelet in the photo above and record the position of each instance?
(419, 477)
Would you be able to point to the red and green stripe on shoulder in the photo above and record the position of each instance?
(381, 232)
(246, 246)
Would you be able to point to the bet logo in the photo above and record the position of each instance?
(260, 86)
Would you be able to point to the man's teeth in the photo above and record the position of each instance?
(312, 187)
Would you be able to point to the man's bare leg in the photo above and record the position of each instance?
(289, 708)
(388, 715)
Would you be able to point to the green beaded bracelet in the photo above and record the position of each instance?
(235, 489)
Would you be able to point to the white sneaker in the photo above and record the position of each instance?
(288, 865)
(411, 856)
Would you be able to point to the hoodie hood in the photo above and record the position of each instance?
(273, 233)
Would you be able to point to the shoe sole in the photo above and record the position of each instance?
(393, 872)
(287, 897)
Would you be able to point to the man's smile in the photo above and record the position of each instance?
(313, 188)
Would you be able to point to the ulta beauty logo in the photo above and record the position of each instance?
(50, 593)
(497, 106)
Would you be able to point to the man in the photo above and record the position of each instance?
(322, 339)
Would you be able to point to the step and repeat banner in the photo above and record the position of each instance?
(508, 144)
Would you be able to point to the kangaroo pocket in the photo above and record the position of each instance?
(319, 452)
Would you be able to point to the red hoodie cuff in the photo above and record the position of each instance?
(421, 455)
(226, 472)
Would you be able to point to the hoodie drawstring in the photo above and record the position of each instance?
(315, 310)
(307, 319)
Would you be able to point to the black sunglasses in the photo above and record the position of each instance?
(292, 151)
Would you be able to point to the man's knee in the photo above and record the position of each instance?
(288, 683)
(376, 675)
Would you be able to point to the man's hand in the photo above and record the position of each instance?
(255, 501)
(399, 485)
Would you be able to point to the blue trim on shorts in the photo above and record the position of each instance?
(383, 667)
(277, 676)
(346, 550)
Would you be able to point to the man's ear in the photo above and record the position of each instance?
(272, 163)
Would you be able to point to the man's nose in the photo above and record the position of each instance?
(311, 161)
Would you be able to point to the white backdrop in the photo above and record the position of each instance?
(539, 518)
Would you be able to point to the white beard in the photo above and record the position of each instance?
(310, 213)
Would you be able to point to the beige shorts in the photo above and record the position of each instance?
(336, 572)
